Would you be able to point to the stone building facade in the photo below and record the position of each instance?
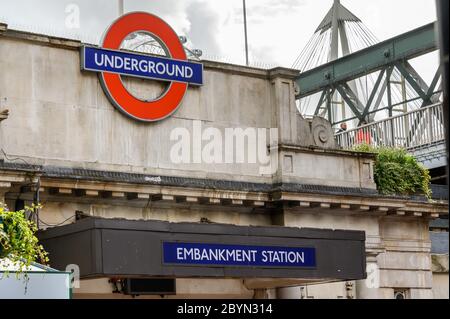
(64, 143)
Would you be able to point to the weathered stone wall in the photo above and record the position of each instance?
(60, 116)
(440, 286)
(398, 254)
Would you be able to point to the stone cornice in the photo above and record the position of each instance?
(285, 73)
(63, 183)
(318, 150)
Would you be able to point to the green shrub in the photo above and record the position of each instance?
(18, 242)
(397, 172)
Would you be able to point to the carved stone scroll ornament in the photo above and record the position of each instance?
(316, 132)
(322, 132)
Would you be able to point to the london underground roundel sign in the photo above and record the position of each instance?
(111, 64)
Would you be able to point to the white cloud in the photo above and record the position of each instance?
(278, 29)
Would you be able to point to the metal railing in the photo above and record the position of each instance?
(412, 130)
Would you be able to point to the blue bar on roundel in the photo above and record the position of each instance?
(141, 65)
(237, 255)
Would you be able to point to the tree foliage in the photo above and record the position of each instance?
(18, 241)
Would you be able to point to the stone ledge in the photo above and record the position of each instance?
(62, 183)
(81, 174)
(61, 42)
(43, 39)
(409, 279)
(280, 72)
(318, 150)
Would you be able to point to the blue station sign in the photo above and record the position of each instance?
(140, 65)
(238, 255)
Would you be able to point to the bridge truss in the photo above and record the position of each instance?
(372, 80)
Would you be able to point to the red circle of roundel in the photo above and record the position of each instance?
(119, 95)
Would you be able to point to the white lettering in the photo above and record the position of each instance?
(276, 257)
(160, 68)
(240, 135)
(188, 253)
(238, 254)
(231, 254)
(109, 61)
(264, 256)
(246, 255)
(283, 257)
(179, 253)
(181, 151)
(179, 71)
(170, 70)
(212, 152)
(127, 64)
(118, 62)
(143, 66)
(151, 67)
(213, 255)
(205, 255)
(99, 63)
(197, 255)
(134, 65)
(188, 72)
(221, 255)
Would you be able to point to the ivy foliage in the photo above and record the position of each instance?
(18, 242)
(397, 172)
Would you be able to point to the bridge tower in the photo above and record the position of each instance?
(375, 95)
(335, 21)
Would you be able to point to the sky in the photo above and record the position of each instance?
(277, 29)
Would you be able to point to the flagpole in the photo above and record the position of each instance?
(121, 8)
(245, 31)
